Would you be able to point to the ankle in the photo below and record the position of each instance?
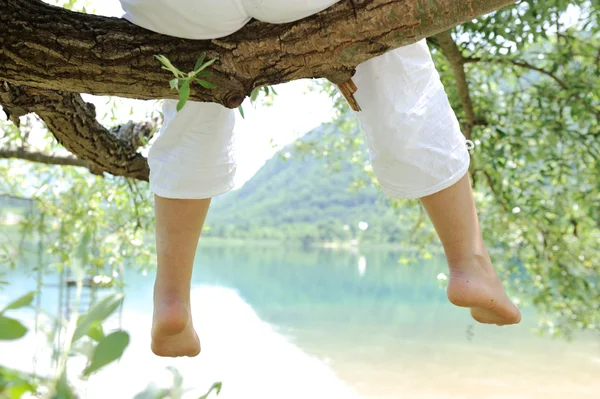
(459, 263)
(171, 295)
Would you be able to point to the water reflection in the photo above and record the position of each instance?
(286, 323)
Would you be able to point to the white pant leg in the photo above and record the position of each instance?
(415, 142)
(190, 19)
(193, 155)
(283, 11)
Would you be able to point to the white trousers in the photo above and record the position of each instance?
(415, 143)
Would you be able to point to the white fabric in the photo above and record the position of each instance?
(414, 138)
(415, 142)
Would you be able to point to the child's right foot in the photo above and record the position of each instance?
(173, 333)
(476, 285)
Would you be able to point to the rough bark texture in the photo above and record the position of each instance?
(48, 53)
(73, 123)
(52, 48)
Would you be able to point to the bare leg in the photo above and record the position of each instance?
(473, 281)
(178, 226)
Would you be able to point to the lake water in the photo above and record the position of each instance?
(290, 323)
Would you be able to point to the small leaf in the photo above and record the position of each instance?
(241, 109)
(254, 94)
(167, 65)
(152, 392)
(274, 92)
(203, 74)
(205, 84)
(266, 89)
(21, 302)
(177, 377)
(209, 63)
(216, 387)
(111, 348)
(98, 313)
(11, 329)
(184, 95)
(96, 332)
(200, 62)
(18, 389)
(63, 390)
(174, 83)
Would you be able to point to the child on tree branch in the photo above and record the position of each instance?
(415, 144)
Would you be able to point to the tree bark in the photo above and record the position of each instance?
(48, 53)
(53, 48)
(73, 123)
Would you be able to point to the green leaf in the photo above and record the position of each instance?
(273, 89)
(98, 313)
(63, 390)
(241, 109)
(23, 301)
(111, 348)
(184, 95)
(168, 66)
(216, 387)
(255, 94)
(96, 332)
(209, 63)
(152, 392)
(13, 384)
(200, 62)
(17, 390)
(177, 378)
(11, 329)
(205, 84)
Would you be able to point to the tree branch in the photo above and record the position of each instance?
(39, 157)
(52, 48)
(73, 123)
(457, 62)
(48, 53)
(521, 64)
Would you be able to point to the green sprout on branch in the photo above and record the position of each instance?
(183, 81)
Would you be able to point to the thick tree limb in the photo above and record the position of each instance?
(53, 48)
(73, 123)
(47, 52)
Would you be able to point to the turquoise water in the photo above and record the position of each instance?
(292, 323)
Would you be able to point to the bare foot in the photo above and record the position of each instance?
(476, 285)
(173, 333)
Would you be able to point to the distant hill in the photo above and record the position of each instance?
(296, 196)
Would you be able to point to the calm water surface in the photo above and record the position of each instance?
(288, 323)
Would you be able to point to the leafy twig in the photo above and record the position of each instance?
(183, 81)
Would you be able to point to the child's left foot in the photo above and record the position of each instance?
(173, 333)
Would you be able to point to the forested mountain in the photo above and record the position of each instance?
(299, 195)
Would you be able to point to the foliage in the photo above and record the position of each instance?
(183, 82)
(534, 80)
(285, 202)
(100, 350)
